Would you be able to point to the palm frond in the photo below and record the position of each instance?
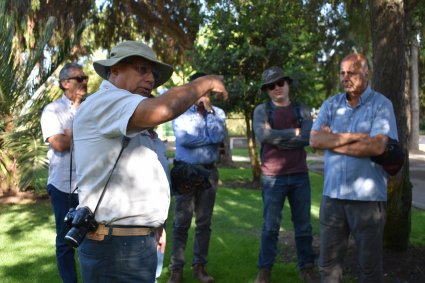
(24, 91)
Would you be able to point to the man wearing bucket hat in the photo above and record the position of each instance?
(283, 128)
(121, 182)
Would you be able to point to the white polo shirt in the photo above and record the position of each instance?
(56, 117)
(138, 192)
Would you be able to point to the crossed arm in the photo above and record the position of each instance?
(61, 142)
(353, 144)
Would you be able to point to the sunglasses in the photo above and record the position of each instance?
(272, 86)
(79, 79)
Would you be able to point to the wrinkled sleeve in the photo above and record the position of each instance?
(192, 133)
(50, 124)
(275, 137)
(384, 122)
(303, 139)
(322, 117)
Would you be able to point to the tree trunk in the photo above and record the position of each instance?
(255, 165)
(225, 152)
(391, 78)
(414, 95)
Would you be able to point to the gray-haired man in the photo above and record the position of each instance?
(136, 200)
(56, 125)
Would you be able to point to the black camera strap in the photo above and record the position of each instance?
(71, 149)
(125, 141)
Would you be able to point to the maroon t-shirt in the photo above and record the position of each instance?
(277, 162)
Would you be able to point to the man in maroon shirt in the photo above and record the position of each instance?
(283, 128)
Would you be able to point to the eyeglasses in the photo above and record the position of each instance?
(79, 79)
(143, 69)
(272, 86)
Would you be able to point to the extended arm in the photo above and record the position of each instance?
(155, 111)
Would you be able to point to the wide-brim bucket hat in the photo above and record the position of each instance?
(134, 48)
(272, 75)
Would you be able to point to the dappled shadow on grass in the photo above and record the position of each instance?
(35, 269)
(403, 267)
(27, 218)
(27, 243)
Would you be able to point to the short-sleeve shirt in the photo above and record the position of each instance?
(56, 117)
(356, 178)
(138, 191)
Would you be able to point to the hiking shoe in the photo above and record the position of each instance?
(176, 276)
(308, 275)
(263, 275)
(201, 274)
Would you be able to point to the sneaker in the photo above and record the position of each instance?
(308, 275)
(201, 274)
(176, 276)
(263, 275)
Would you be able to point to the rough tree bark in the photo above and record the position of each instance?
(255, 164)
(391, 78)
(414, 96)
(225, 152)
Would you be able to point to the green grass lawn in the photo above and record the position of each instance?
(27, 236)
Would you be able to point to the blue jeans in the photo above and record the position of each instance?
(365, 221)
(202, 203)
(275, 190)
(64, 252)
(118, 259)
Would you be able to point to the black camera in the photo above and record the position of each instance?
(79, 222)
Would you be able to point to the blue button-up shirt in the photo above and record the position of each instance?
(198, 136)
(349, 177)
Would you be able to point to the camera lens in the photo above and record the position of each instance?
(75, 236)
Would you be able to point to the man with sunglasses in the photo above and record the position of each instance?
(123, 247)
(283, 128)
(56, 125)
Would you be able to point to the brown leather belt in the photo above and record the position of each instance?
(103, 231)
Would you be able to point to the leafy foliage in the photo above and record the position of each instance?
(171, 26)
(23, 95)
(243, 38)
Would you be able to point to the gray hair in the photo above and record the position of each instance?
(65, 72)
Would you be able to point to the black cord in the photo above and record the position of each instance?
(71, 148)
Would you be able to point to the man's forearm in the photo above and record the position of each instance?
(365, 147)
(329, 140)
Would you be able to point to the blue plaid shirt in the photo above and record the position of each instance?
(348, 177)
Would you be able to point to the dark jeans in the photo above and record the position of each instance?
(64, 252)
(119, 259)
(295, 187)
(365, 220)
(202, 203)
